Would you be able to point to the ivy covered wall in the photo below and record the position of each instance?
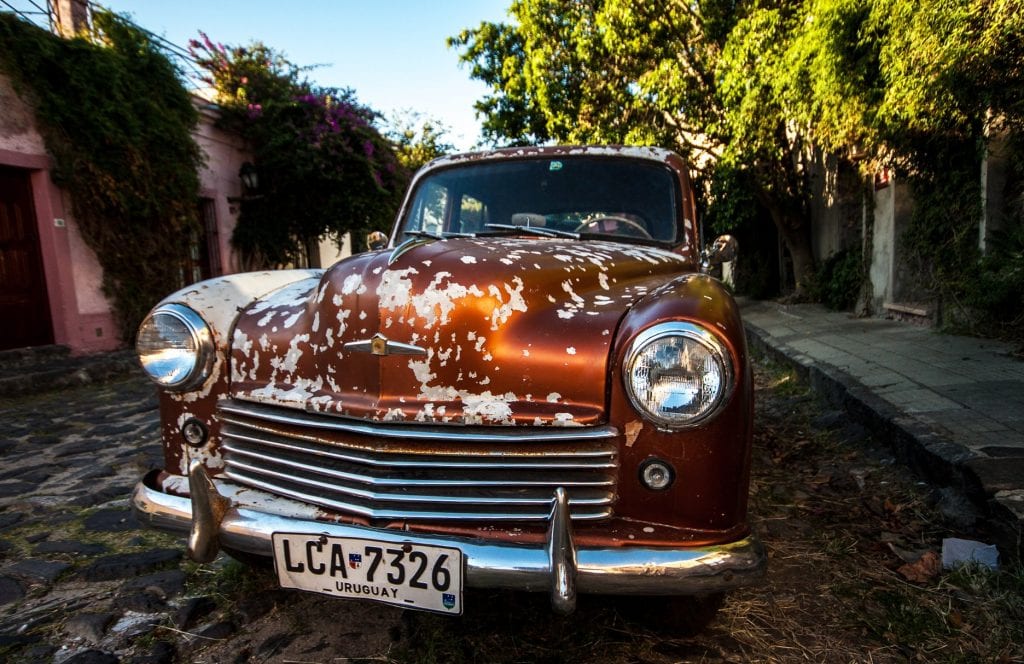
(117, 124)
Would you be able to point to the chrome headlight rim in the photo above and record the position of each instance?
(693, 332)
(202, 338)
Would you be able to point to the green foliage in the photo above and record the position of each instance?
(731, 202)
(878, 78)
(117, 123)
(324, 167)
(495, 52)
(838, 282)
(418, 140)
(948, 64)
(590, 72)
(646, 73)
(827, 79)
(756, 92)
(941, 241)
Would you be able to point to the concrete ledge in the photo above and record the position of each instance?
(994, 485)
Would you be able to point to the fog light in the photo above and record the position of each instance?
(656, 475)
(194, 432)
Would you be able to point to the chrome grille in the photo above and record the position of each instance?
(419, 472)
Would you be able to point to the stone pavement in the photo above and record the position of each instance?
(42, 368)
(79, 579)
(81, 582)
(951, 406)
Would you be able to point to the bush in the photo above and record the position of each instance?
(837, 283)
(997, 293)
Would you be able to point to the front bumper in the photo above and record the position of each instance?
(557, 566)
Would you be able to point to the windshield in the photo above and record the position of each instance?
(624, 199)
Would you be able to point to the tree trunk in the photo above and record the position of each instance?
(312, 252)
(794, 232)
(799, 244)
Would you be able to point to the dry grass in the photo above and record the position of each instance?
(833, 510)
(835, 513)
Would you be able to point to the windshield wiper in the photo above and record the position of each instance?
(622, 239)
(427, 234)
(437, 236)
(417, 238)
(534, 230)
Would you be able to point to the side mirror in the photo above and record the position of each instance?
(722, 250)
(376, 240)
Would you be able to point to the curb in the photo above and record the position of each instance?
(935, 458)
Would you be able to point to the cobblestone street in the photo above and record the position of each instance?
(81, 583)
(71, 552)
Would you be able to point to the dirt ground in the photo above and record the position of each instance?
(853, 541)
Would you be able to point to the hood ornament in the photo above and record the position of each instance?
(378, 344)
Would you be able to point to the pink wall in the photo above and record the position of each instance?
(218, 179)
(81, 314)
(79, 311)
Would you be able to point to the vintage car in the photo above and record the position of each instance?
(534, 385)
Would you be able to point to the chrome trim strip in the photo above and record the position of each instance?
(405, 481)
(243, 473)
(599, 512)
(625, 570)
(537, 460)
(328, 422)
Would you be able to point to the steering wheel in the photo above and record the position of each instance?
(631, 228)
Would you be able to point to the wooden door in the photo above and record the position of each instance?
(24, 306)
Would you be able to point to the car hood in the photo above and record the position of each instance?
(460, 331)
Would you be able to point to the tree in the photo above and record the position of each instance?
(324, 167)
(755, 92)
(759, 135)
(418, 140)
(917, 86)
(686, 75)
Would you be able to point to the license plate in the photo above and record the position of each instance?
(404, 574)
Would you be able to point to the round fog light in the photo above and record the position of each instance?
(656, 475)
(194, 432)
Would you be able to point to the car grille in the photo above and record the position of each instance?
(409, 472)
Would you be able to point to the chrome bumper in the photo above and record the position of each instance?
(557, 566)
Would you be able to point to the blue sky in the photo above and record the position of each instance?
(391, 52)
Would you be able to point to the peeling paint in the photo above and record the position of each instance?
(477, 291)
(632, 431)
(565, 420)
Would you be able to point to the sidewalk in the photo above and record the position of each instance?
(952, 407)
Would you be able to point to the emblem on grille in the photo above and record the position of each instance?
(378, 344)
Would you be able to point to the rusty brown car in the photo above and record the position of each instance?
(534, 384)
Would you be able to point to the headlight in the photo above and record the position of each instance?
(677, 374)
(175, 347)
